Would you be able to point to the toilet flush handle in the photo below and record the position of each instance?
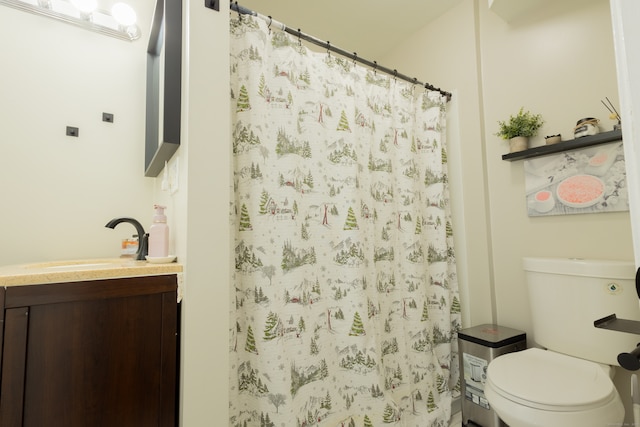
(630, 361)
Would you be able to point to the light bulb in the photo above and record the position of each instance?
(124, 14)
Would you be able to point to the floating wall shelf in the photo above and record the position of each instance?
(572, 144)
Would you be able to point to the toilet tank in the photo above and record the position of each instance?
(566, 295)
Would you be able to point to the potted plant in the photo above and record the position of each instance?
(519, 128)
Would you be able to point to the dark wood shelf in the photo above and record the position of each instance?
(572, 144)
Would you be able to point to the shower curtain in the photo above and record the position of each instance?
(346, 303)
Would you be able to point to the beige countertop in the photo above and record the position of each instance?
(81, 270)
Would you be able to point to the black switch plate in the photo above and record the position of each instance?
(73, 131)
(212, 4)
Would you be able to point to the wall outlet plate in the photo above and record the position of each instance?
(73, 131)
(174, 175)
(212, 4)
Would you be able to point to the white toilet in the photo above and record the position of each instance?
(568, 384)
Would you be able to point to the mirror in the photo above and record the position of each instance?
(164, 78)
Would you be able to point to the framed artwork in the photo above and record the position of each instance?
(587, 180)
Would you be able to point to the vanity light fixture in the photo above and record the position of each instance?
(119, 22)
(85, 7)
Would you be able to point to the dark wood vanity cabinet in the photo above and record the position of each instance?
(100, 353)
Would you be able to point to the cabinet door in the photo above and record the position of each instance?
(104, 358)
(13, 366)
(1, 327)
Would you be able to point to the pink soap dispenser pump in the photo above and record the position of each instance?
(159, 234)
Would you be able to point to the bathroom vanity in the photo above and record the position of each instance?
(89, 344)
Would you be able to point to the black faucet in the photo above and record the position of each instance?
(143, 237)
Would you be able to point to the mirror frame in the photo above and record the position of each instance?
(166, 33)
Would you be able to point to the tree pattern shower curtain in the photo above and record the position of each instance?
(346, 303)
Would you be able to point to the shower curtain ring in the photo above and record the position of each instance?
(269, 24)
(239, 14)
(375, 67)
(395, 74)
(299, 37)
(329, 48)
(355, 58)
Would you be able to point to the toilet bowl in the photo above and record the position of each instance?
(540, 388)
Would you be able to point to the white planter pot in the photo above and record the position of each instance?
(518, 143)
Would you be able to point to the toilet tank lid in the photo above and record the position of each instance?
(587, 267)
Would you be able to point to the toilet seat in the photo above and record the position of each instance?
(550, 381)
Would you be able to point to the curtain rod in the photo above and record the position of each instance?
(353, 56)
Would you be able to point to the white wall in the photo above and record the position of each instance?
(626, 38)
(57, 192)
(205, 236)
(453, 66)
(557, 60)
(566, 65)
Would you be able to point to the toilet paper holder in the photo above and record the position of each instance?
(630, 361)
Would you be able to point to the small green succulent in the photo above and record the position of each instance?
(524, 123)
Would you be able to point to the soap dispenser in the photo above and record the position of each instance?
(159, 234)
